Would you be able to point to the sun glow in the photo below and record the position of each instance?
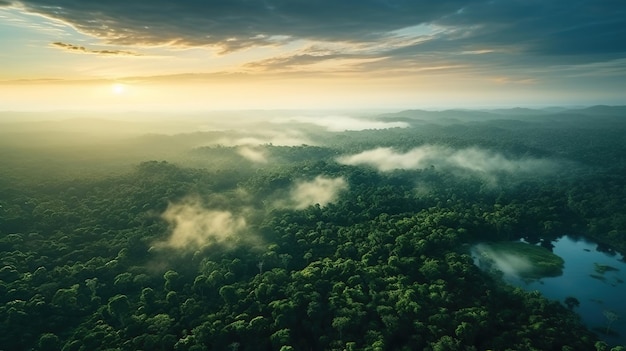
(118, 89)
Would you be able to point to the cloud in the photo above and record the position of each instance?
(194, 226)
(296, 60)
(253, 154)
(263, 138)
(587, 30)
(475, 160)
(546, 28)
(343, 123)
(478, 160)
(343, 58)
(386, 159)
(237, 24)
(322, 190)
(258, 130)
(84, 50)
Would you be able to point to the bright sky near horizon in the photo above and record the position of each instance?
(327, 54)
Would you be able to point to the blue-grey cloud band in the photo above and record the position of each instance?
(593, 29)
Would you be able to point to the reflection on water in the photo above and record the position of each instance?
(595, 279)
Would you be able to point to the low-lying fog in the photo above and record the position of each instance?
(197, 222)
(82, 143)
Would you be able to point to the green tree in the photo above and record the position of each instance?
(119, 307)
(281, 338)
(173, 280)
(48, 342)
(341, 324)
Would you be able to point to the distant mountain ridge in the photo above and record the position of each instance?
(516, 113)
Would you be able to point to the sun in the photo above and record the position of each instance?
(118, 88)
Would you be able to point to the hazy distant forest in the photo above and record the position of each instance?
(263, 231)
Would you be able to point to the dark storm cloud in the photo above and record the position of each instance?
(593, 29)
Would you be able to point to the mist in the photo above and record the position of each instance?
(475, 160)
(509, 264)
(195, 226)
(252, 154)
(343, 123)
(321, 190)
(75, 144)
(263, 136)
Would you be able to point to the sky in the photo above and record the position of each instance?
(174, 55)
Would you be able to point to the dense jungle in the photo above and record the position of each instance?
(286, 230)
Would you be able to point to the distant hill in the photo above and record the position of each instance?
(602, 110)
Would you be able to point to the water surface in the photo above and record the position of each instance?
(595, 278)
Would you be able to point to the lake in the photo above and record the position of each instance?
(595, 278)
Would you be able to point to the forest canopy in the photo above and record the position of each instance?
(295, 233)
